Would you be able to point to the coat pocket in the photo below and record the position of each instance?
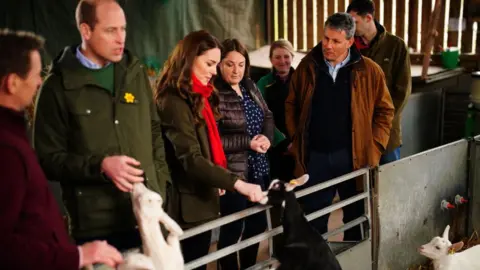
(103, 207)
(196, 207)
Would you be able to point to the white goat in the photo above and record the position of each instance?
(158, 253)
(444, 256)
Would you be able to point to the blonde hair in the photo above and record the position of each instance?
(281, 43)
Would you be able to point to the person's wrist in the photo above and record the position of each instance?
(102, 163)
(80, 257)
(238, 184)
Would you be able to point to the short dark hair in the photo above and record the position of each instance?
(86, 12)
(15, 49)
(234, 45)
(362, 7)
(341, 21)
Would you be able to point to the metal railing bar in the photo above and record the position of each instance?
(345, 227)
(337, 206)
(266, 235)
(269, 228)
(258, 208)
(224, 220)
(332, 182)
(233, 248)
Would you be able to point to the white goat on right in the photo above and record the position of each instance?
(444, 256)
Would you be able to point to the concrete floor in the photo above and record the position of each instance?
(334, 222)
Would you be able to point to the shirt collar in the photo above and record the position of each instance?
(341, 64)
(87, 62)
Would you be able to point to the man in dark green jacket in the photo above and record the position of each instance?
(391, 54)
(97, 130)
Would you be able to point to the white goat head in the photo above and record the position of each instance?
(440, 247)
(146, 203)
(158, 253)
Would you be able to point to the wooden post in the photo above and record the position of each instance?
(430, 37)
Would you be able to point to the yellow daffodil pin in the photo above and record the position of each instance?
(129, 98)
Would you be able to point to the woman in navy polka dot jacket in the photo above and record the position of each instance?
(246, 128)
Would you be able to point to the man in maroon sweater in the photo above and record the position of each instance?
(32, 232)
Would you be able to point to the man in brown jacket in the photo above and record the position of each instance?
(391, 54)
(339, 113)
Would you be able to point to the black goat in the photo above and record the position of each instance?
(304, 248)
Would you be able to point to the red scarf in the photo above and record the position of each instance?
(216, 147)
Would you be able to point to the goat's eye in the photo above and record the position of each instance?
(437, 247)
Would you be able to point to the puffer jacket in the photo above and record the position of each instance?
(233, 125)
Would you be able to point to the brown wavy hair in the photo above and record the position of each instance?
(177, 70)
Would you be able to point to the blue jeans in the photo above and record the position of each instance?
(390, 156)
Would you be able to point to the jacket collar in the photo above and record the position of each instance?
(316, 55)
(221, 85)
(380, 34)
(13, 119)
(277, 78)
(85, 61)
(75, 75)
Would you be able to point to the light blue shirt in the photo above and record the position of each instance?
(333, 70)
(87, 62)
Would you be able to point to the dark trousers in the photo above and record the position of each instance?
(242, 229)
(323, 167)
(281, 165)
(196, 247)
(122, 240)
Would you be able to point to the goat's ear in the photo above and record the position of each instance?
(445, 232)
(457, 246)
(296, 182)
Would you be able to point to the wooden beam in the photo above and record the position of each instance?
(400, 19)
(290, 20)
(430, 37)
(300, 26)
(320, 19)
(438, 46)
(377, 9)
(413, 25)
(426, 29)
(282, 32)
(309, 41)
(387, 15)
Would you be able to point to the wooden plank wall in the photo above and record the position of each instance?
(301, 22)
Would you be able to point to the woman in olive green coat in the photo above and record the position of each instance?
(188, 108)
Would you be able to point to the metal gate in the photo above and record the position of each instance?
(351, 255)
